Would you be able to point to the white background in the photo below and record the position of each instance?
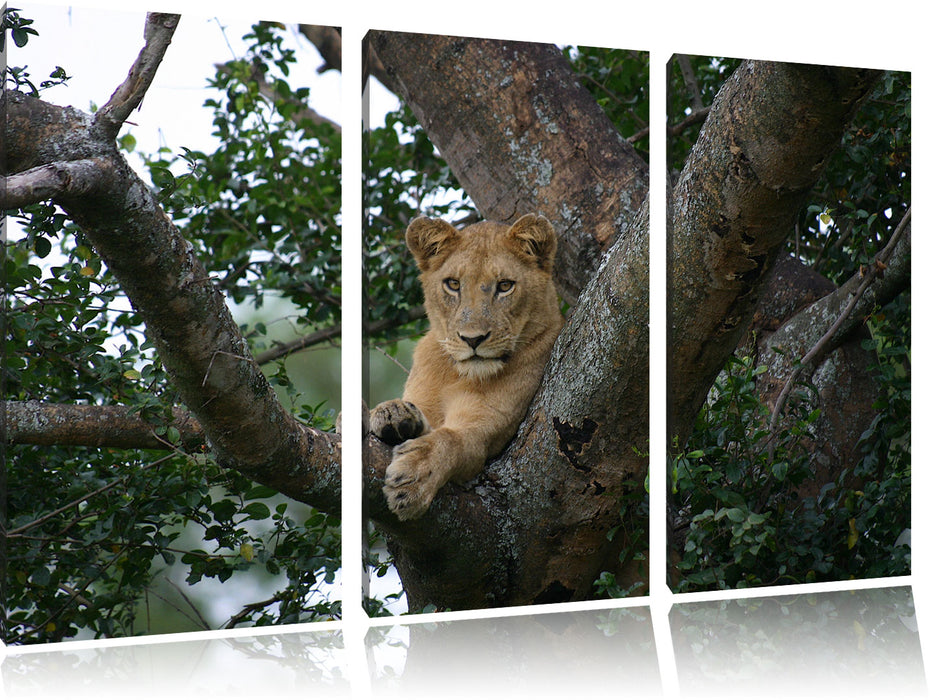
(345, 660)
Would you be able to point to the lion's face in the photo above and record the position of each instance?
(482, 287)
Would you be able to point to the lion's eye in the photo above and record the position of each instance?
(451, 284)
(505, 286)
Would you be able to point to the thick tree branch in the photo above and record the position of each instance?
(328, 42)
(158, 34)
(766, 140)
(72, 178)
(848, 306)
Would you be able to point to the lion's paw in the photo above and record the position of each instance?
(397, 421)
(410, 483)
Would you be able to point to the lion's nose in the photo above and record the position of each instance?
(473, 341)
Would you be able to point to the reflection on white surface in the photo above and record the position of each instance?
(842, 644)
(550, 654)
(298, 664)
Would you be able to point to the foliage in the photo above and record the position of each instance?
(263, 210)
(634, 521)
(865, 188)
(17, 77)
(746, 527)
(620, 82)
(737, 489)
(94, 533)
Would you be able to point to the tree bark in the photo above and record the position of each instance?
(822, 344)
(185, 314)
(521, 135)
(766, 140)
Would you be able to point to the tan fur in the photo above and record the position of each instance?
(488, 285)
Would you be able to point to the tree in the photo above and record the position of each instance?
(124, 425)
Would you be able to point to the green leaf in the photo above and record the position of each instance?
(257, 511)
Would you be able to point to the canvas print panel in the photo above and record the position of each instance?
(788, 323)
(505, 184)
(172, 270)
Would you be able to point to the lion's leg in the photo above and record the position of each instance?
(420, 467)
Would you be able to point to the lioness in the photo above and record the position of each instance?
(493, 318)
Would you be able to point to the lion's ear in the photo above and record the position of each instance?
(427, 238)
(534, 236)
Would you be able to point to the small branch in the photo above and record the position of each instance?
(692, 85)
(824, 345)
(250, 608)
(38, 423)
(200, 618)
(158, 34)
(331, 333)
(72, 178)
(694, 117)
(283, 349)
(637, 136)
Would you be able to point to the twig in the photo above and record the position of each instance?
(179, 590)
(214, 356)
(282, 349)
(391, 358)
(237, 618)
(819, 349)
(332, 332)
